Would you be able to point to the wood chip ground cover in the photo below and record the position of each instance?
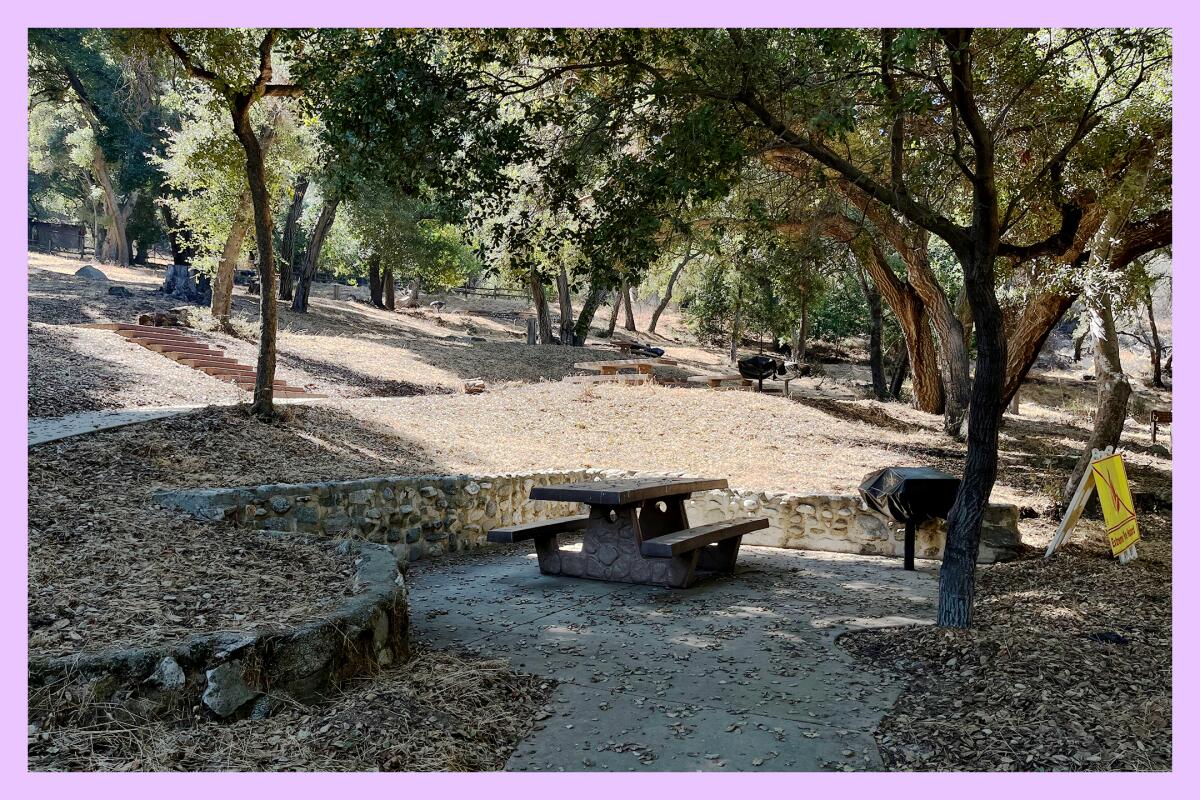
(1067, 667)
(107, 567)
(439, 711)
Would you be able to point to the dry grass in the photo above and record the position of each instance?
(437, 712)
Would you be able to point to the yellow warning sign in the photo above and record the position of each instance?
(1116, 502)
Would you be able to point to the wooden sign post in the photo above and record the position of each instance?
(1106, 474)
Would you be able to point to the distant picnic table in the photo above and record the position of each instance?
(636, 532)
(612, 370)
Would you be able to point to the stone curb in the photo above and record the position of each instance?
(232, 675)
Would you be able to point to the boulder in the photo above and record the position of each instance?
(90, 273)
(119, 291)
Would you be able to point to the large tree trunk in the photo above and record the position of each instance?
(256, 173)
(800, 346)
(583, 324)
(375, 280)
(414, 293)
(222, 297)
(566, 317)
(956, 586)
(542, 306)
(287, 247)
(312, 256)
(389, 289)
(688, 255)
(1027, 334)
(116, 242)
(627, 295)
(735, 332)
(909, 310)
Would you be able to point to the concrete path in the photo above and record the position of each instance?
(737, 673)
(50, 429)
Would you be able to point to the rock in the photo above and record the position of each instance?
(168, 674)
(90, 273)
(1160, 451)
(472, 488)
(227, 691)
(280, 504)
(428, 491)
(119, 291)
(474, 387)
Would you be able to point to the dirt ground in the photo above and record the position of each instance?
(1068, 666)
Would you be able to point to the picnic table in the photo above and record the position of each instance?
(636, 532)
(612, 370)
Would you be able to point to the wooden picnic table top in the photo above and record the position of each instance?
(626, 362)
(625, 491)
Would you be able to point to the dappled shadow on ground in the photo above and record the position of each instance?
(60, 299)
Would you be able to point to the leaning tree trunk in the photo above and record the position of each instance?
(182, 252)
(566, 317)
(116, 238)
(630, 325)
(389, 289)
(612, 321)
(909, 310)
(688, 255)
(287, 247)
(956, 586)
(256, 173)
(222, 284)
(542, 306)
(312, 256)
(375, 279)
(583, 323)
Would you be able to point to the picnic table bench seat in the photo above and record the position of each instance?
(636, 377)
(532, 530)
(670, 545)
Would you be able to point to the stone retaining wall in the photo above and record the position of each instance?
(427, 515)
(233, 675)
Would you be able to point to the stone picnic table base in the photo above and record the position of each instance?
(612, 551)
(636, 532)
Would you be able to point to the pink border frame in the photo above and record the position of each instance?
(1179, 15)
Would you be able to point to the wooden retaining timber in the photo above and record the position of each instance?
(179, 345)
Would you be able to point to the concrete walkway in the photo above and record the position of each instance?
(50, 429)
(737, 673)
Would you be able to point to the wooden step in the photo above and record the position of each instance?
(205, 361)
(198, 349)
(151, 330)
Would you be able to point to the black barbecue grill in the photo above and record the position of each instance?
(911, 495)
(756, 368)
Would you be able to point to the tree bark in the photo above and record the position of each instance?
(287, 247)
(566, 317)
(222, 296)
(630, 325)
(583, 324)
(542, 306)
(875, 349)
(735, 333)
(909, 310)
(256, 174)
(312, 256)
(116, 242)
(612, 321)
(389, 289)
(375, 280)
(899, 373)
(688, 255)
(181, 253)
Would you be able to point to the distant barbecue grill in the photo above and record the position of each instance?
(911, 495)
(757, 368)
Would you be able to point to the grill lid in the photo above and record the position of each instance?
(910, 494)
